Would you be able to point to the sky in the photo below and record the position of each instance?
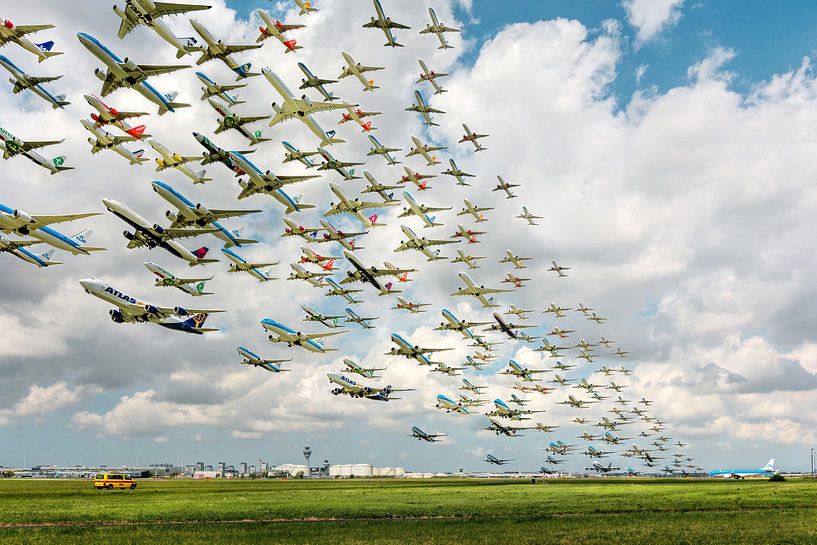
(668, 145)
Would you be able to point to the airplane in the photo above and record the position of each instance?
(607, 424)
(515, 260)
(469, 401)
(620, 353)
(612, 439)
(268, 183)
(558, 311)
(457, 173)
(23, 81)
(214, 154)
(131, 310)
(469, 387)
(406, 349)
(370, 274)
(168, 159)
(473, 137)
(467, 234)
(17, 249)
(603, 342)
(587, 386)
(561, 381)
(595, 453)
(680, 444)
(416, 178)
(515, 280)
(217, 49)
(478, 292)
(360, 320)
(231, 120)
(516, 370)
(561, 333)
(349, 387)
(313, 315)
(333, 235)
(12, 146)
(213, 89)
(584, 345)
(589, 437)
(509, 328)
(439, 29)
(314, 278)
(598, 319)
(357, 115)
(383, 151)
(505, 429)
(430, 76)
(506, 187)
(645, 401)
(148, 13)
(625, 372)
(276, 29)
(336, 289)
(22, 224)
(555, 461)
(468, 259)
(421, 211)
(385, 24)
(424, 150)
(367, 372)
(519, 312)
(576, 403)
(401, 276)
(190, 286)
(126, 73)
(376, 187)
(484, 357)
(325, 262)
(414, 308)
(445, 402)
(424, 110)
(579, 420)
(471, 362)
(305, 7)
(9, 32)
(451, 372)
(107, 115)
(602, 468)
(518, 401)
(330, 163)
(584, 310)
(307, 233)
(152, 236)
(616, 387)
(502, 410)
(357, 70)
(558, 269)
(559, 447)
(316, 83)
(102, 140)
(423, 436)
(480, 342)
(294, 154)
(474, 210)
(452, 323)
(189, 214)
(563, 367)
(283, 334)
(527, 216)
(251, 358)
(354, 207)
(239, 264)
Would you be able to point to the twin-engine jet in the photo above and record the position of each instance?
(149, 13)
(438, 29)
(251, 358)
(23, 82)
(385, 24)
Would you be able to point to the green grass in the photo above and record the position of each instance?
(407, 512)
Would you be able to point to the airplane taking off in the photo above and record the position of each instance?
(231, 120)
(354, 207)
(9, 32)
(439, 29)
(385, 24)
(292, 229)
(239, 264)
(515, 260)
(424, 109)
(357, 70)
(473, 137)
(316, 83)
(216, 49)
(349, 387)
(336, 289)
(366, 372)
(294, 154)
(507, 430)
(370, 275)
(11, 146)
(457, 173)
(305, 7)
(22, 224)
(127, 73)
(423, 436)
(479, 292)
(276, 29)
(376, 187)
(445, 402)
(406, 349)
(268, 183)
(215, 154)
(452, 323)
(558, 269)
(576, 403)
(602, 468)
(491, 459)
(333, 235)
(416, 178)
(18, 249)
(131, 310)
(468, 234)
(509, 328)
(213, 89)
(765, 471)
(341, 167)
(527, 216)
(167, 159)
(404, 304)
(314, 278)
(23, 81)
(431, 76)
(362, 321)
(519, 312)
(107, 115)
(527, 375)
(190, 286)
(502, 410)
(102, 140)
(253, 359)
(148, 13)
(383, 151)
(469, 260)
(357, 115)
(313, 315)
(476, 211)
(506, 187)
(424, 150)
(283, 334)
(421, 211)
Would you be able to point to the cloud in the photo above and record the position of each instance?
(651, 17)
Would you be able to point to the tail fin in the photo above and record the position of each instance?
(330, 265)
(171, 106)
(59, 163)
(201, 252)
(769, 466)
(137, 132)
(60, 101)
(201, 177)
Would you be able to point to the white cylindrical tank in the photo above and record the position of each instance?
(294, 469)
(334, 470)
(362, 470)
(399, 471)
(344, 470)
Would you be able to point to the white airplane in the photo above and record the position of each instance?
(314, 278)
(9, 32)
(519, 312)
(468, 234)
(357, 115)
(527, 375)
(311, 80)
(347, 386)
(558, 270)
(215, 154)
(212, 89)
(17, 248)
(376, 187)
(457, 173)
(294, 154)
(421, 244)
(253, 359)
(313, 315)
(341, 167)
(268, 183)
(559, 312)
(239, 264)
(424, 151)
(518, 401)
(106, 115)
(217, 49)
(357, 70)
(515, 260)
(452, 323)
(451, 372)
(231, 120)
(371, 275)
(333, 235)
(305, 7)
(405, 304)
(102, 140)
(277, 29)
(421, 211)
(325, 262)
(152, 236)
(445, 402)
(406, 349)
(362, 321)
(423, 436)
(385, 24)
(23, 82)
(354, 207)
(131, 310)
(473, 137)
(479, 292)
(168, 159)
(416, 178)
(509, 328)
(424, 109)
(584, 310)
(576, 403)
(383, 151)
(507, 430)
(515, 280)
(506, 187)
(165, 278)
(367, 372)
(11, 146)
(336, 290)
(620, 353)
(126, 73)
(439, 29)
(283, 334)
(189, 214)
(475, 211)
(469, 260)
(527, 216)
(599, 319)
(292, 229)
(148, 13)
(431, 76)
(22, 224)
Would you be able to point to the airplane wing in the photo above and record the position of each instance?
(35, 80)
(369, 68)
(28, 29)
(122, 139)
(48, 220)
(310, 107)
(167, 8)
(148, 70)
(392, 24)
(431, 110)
(36, 144)
(110, 84)
(493, 290)
(284, 28)
(181, 281)
(252, 119)
(246, 266)
(436, 209)
(216, 213)
(327, 334)
(439, 242)
(125, 27)
(127, 115)
(230, 49)
(432, 350)
(173, 233)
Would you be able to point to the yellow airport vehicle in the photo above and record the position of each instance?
(113, 480)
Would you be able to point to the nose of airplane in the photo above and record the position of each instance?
(109, 203)
(88, 283)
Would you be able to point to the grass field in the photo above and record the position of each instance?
(411, 512)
